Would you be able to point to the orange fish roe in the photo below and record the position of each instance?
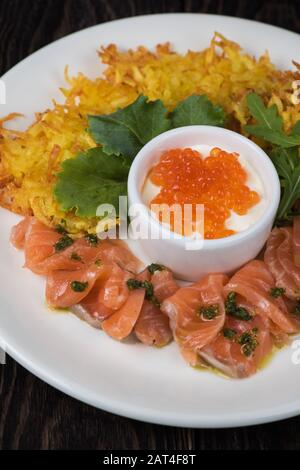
(217, 181)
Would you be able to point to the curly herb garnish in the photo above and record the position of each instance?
(98, 262)
(297, 309)
(234, 310)
(277, 292)
(284, 151)
(149, 293)
(153, 267)
(248, 342)
(134, 284)
(60, 229)
(64, 242)
(229, 333)
(92, 239)
(78, 286)
(209, 312)
(75, 256)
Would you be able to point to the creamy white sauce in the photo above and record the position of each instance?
(235, 222)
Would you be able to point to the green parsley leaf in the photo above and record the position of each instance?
(229, 333)
(209, 312)
(133, 284)
(248, 342)
(196, 110)
(296, 309)
(64, 242)
(75, 256)
(60, 229)
(91, 179)
(234, 310)
(153, 267)
(92, 239)
(78, 286)
(127, 130)
(277, 292)
(269, 124)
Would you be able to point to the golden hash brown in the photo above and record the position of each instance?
(29, 160)
(223, 72)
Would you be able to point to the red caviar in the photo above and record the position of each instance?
(217, 181)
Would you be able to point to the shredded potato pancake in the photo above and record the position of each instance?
(30, 160)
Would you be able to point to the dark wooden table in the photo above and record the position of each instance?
(34, 415)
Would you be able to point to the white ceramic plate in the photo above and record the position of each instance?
(131, 380)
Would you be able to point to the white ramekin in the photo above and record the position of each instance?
(220, 255)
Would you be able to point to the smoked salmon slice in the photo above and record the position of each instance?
(67, 288)
(47, 250)
(116, 251)
(240, 348)
(93, 305)
(282, 278)
(231, 325)
(19, 231)
(296, 241)
(197, 314)
(114, 292)
(164, 284)
(81, 252)
(39, 244)
(254, 283)
(121, 323)
(152, 327)
(279, 257)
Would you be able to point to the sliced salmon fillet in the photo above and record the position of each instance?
(39, 245)
(286, 258)
(144, 275)
(282, 277)
(118, 252)
(59, 291)
(19, 231)
(279, 257)
(280, 338)
(114, 292)
(296, 241)
(42, 258)
(85, 254)
(233, 358)
(92, 303)
(191, 329)
(152, 327)
(85, 316)
(38, 241)
(73, 258)
(164, 284)
(254, 283)
(121, 323)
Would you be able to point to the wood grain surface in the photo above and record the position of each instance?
(34, 415)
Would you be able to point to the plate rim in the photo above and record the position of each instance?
(138, 412)
(120, 20)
